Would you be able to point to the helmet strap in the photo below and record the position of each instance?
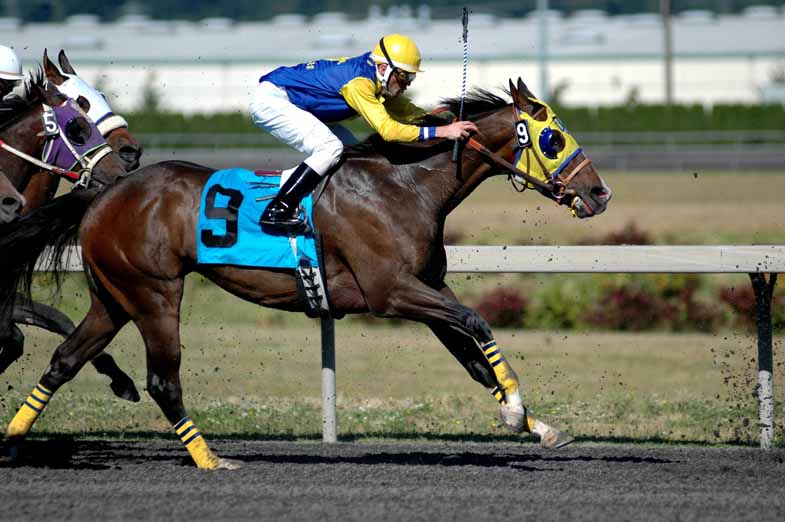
(385, 78)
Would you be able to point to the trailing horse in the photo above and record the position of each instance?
(381, 215)
(42, 186)
(22, 130)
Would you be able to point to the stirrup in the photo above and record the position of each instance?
(290, 226)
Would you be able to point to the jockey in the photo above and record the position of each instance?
(10, 71)
(294, 104)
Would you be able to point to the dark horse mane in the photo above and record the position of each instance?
(477, 102)
(14, 107)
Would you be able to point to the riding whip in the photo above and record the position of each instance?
(465, 38)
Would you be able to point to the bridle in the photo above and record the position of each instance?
(555, 189)
(53, 132)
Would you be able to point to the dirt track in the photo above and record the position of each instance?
(153, 480)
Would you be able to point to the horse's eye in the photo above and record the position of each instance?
(78, 131)
(557, 141)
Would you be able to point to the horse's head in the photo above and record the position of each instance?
(112, 126)
(11, 201)
(73, 141)
(547, 151)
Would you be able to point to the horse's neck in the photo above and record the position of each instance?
(474, 170)
(432, 181)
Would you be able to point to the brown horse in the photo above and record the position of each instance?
(22, 128)
(381, 216)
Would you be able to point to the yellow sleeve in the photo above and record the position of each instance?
(360, 95)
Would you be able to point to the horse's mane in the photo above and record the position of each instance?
(13, 107)
(477, 102)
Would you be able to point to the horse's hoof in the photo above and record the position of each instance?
(514, 418)
(229, 464)
(553, 439)
(124, 388)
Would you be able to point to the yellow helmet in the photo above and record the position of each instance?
(398, 49)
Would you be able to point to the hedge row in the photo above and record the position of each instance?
(632, 118)
(676, 303)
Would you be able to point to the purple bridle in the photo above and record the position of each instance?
(66, 146)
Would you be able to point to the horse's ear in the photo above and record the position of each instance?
(82, 102)
(522, 97)
(51, 71)
(65, 64)
(524, 90)
(514, 93)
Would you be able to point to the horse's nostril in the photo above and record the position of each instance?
(11, 202)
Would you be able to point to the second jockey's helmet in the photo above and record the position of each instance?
(400, 50)
(10, 66)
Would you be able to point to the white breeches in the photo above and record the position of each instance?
(272, 111)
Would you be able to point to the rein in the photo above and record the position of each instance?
(73, 176)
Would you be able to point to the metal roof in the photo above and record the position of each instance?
(589, 34)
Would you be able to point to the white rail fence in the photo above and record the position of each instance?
(757, 261)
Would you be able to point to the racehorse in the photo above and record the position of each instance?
(381, 215)
(23, 129)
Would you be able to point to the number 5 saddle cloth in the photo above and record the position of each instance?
(228, 231)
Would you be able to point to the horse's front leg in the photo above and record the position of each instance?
(469, 338)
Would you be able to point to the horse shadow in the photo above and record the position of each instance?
(447, 459)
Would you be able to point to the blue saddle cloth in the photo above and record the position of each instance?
(228, 231)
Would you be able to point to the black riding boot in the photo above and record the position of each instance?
(282, 215)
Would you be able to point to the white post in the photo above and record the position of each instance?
(763, 293)
(329, 417)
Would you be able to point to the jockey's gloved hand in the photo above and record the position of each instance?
(456, 130)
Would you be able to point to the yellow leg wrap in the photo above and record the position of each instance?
(505, 375)
(196, 445)
(498, 395)
(530, 422)
(26, 416)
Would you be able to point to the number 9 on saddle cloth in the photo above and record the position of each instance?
(228, 233)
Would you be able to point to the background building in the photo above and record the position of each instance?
(594, 58)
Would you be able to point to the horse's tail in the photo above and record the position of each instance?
(50, 229)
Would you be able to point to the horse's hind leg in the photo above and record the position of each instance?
(53, 320)
(93, 334)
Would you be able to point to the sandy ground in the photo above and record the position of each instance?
(154, 480)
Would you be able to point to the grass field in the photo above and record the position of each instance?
(253, 372)
(673, 208)
(262, 380)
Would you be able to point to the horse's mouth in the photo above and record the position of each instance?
(596, 204)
